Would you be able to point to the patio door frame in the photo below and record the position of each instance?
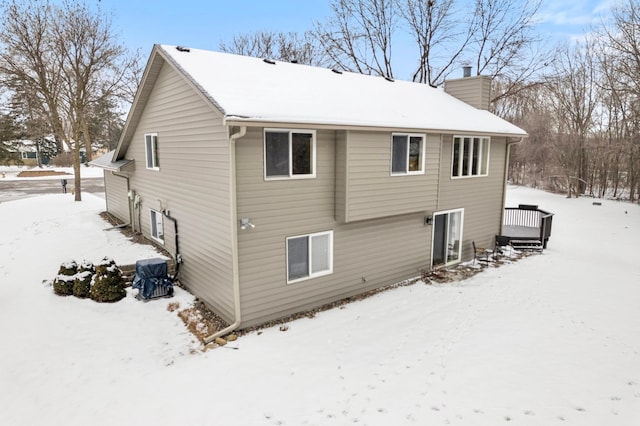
(448, 244)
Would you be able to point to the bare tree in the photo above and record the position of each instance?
(288, 47)
(574, 100)
(440, 35)
(358, 37)
(65, 59)
(504, 46)
(620, 57)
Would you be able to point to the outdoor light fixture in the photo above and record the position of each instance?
(245, 223)
(428, 220)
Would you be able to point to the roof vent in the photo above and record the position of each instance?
(388, 79)
(337, 71)
(182, 49)
(466, 71)
(294, 61)
(269, 61)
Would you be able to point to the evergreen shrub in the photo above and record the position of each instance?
(63, 282)
(82, 283)
(108, 283)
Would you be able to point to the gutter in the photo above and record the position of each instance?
(234, 240)
(506, 175)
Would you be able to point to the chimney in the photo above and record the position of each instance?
(476, 90)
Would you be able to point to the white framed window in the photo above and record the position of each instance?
(309, 256)
(151, 151)
(289, 154)
(157, 227)
(470, 156)
(29, 155)
(407, 154)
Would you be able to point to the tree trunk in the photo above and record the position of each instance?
(75, 152)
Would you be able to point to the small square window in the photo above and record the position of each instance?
(151, 150)
(407, 154)
(289, 154)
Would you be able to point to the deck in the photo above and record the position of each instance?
(525, 226)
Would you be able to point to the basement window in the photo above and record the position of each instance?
(309, 256)
(156, 225)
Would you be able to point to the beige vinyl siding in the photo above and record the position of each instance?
(116, 189)
(341, 161)
(370, 191)
(476, 90)
(384, 251)
(192, 183)
(481, 196)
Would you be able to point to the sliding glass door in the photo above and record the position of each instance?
(447, 237)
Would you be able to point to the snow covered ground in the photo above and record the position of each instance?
(550, 340)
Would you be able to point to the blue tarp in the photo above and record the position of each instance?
(151, 279)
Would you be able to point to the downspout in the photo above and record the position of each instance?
(234, 239)
(506, 176)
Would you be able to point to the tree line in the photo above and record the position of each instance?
(64, 73)
(583, 117)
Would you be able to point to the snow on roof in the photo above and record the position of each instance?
(251, 89)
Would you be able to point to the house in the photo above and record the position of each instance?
(282, 187)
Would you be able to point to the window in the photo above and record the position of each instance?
(407, 154)
(151, 150)
(309, 256)
(289, 154)
(29, 155)
(157, 230)
(470, 156)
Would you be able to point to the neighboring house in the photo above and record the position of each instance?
(28, 152)
(294, 186)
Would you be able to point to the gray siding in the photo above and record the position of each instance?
(383, 251)
(481, 197)
(193, 183)
(370, 191)
(476, 91)
(116, 189)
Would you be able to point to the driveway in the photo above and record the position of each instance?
(21, 188)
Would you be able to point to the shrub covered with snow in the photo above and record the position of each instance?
(108, 284)
(63, 282)
(82, 282)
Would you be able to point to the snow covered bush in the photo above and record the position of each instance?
(82, 282)
(63, 282)
(108, 284)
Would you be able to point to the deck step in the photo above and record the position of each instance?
(527, 244)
